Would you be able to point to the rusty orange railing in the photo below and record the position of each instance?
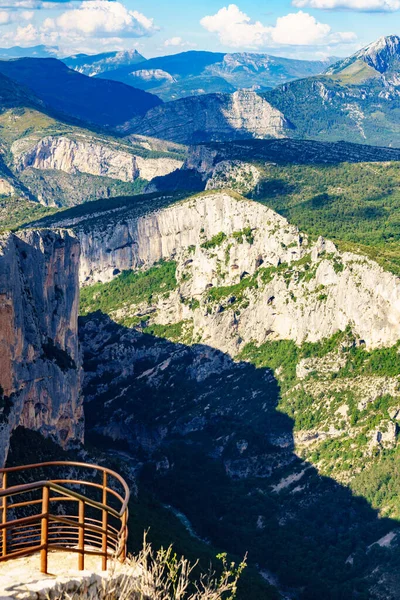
(79, 515)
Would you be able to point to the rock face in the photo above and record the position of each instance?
(381, 56)
(6, 189)
(217, 173)
(166, 234)
(243, 114)
(40, 368)
(91, 157)
(291, 290)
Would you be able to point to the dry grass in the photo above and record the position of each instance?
(162, 575)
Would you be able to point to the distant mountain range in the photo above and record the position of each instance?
(185, 74)
(95, 101)
(356, 99)
(195, 72)
(40, 51)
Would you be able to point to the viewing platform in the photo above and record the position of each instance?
(57, 519)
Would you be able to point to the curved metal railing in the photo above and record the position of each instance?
(85, 516)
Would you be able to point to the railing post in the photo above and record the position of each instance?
(81, 536)
(4, 516)
(104, 542)
(124, 535)
(44, 541)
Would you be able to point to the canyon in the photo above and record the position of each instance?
(174, 367)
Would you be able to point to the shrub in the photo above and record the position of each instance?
(162, 575)
(215, 241)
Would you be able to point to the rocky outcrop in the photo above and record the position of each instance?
(40, 367)
(6, 189)
(91, 156)
(139, 242)
(241, 115)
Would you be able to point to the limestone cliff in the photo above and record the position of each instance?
(40, 367)
(90, 156)
(241, 115)
(251, 274)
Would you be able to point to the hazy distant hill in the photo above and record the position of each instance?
(40, 51)
(97, 101)
(197, 72)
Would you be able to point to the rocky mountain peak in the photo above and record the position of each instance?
(380, 54)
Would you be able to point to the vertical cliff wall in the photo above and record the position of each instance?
(40, 367)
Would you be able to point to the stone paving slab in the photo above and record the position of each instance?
(21, 579)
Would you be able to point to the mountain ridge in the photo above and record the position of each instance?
(379, 55)
(96, 101)
(196, 72)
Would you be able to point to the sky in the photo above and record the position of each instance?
(311, 29)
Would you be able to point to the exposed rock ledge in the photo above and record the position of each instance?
(40, 367)
(83, 155)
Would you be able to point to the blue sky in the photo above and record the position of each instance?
(296, 28)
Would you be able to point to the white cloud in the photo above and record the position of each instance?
(359, 5)
(24, 36)
(98, 18)
(177, 42)
(82, 26)
(299, 29)
(236, 29)
(7, 17)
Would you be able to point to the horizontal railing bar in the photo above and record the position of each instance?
(22, 520)
(88, 526)
(74, 464)
(58, 488)
(53, 527)
(92, 552)
(91, 484)
(18, 528)
(55, 487)
(39, 501)
(71, 536)
(21, 536)
(64, 532)
(91, 520)
(88, 501)
(94, 534)
(22, 489)
(30, 550)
